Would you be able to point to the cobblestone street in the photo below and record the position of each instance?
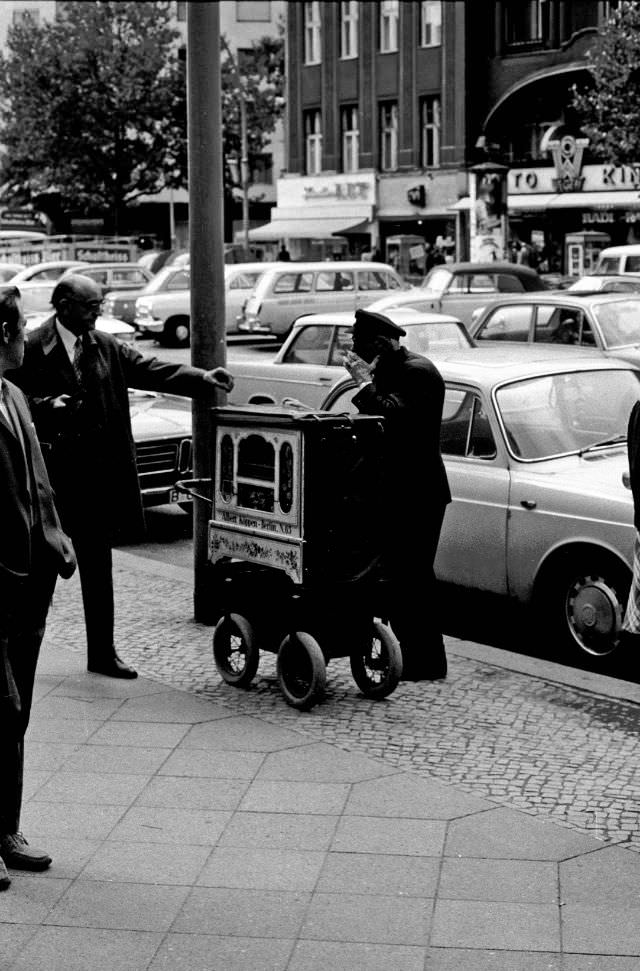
(559, 752)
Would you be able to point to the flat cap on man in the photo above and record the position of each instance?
(370, 324)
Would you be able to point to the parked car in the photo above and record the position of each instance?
(288, 291)
(535, 451)
(162, 434)
(47, 270)
(607, 321)
(612, 284)
(460, 288)
(9, 270)
(619, 259)
(169, 280)
(166, 313)
(310, 360)
(115, 276)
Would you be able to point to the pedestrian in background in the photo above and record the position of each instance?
(408, 391)
(283, 254)
(631, 623)
(33, 552)
(76, 378)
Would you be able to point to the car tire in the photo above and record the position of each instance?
(177, 332)
(376, 665)
(582, 599)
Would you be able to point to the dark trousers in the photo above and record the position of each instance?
(92, 543)
(414, 613)
(23, 614)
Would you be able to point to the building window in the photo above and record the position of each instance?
(349, 29)
(431, 23)
(25, 15)
(258, 10)
(389, 136)
(313, 141)
(350, 138)
(526, 21)
(430, 132)
(181, 13)
(262, 169)
(389, 13)
(312, 33)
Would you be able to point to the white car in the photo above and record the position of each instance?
(534, 443)
(45, 271)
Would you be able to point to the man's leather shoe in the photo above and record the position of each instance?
(112, 667)
(17, 854)
(5, 879)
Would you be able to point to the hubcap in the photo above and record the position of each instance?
(594, 614)
(182, 333)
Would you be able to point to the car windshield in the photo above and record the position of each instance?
(619, 322)
(437, 279)
(170, 277)
(427, 338)
(556, 414)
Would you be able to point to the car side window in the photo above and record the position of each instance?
(179, 281)
(100, 276)
(509, 283)
(293, 283)
(311, 346)
(128, 276)
(390, 282)
(342, 342)
(244, 281)
(371, 280)
(633, 264)
(563, 325)
(507, 324)
(332, 281)
(482, 283)
(465, 430)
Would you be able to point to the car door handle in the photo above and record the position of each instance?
(528, 503)
(324, 380)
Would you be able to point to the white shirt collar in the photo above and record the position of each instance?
(68, 339)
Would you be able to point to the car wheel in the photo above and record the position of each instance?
(302, 671)
(177, 332)
(583, 598)
(376, 665)
(235, 651)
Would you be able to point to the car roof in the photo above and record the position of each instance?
(559, 296)
(493, 267)
(488, 365)
(302, 266)
(402, 317)
(116, 265)
(632, 249)
(252, 267)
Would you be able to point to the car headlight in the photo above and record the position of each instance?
(144, 307)
(108, 307)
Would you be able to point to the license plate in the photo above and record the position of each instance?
(176, 496)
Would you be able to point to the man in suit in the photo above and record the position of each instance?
(76, 378)
(33, 552)
(408, 391)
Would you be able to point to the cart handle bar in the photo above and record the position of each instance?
(190, 486)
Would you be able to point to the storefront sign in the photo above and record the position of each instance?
(592, 178)
(337, 190)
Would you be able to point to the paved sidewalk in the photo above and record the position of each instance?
(227, 833)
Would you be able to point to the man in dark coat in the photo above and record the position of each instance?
(33, 552)
(77, 379)
(408, 391)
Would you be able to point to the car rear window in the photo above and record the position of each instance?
(244, 281)
(328, 281)
(179, 281)
(311, 346)
(507, 324)
(632, 264)
(607, 264)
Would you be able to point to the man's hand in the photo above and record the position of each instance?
(361, 371)
(219, 377)
(61, 401)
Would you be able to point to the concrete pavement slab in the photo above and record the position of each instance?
(43, 728)
(601, 928)
(134, 759)
(505, 834)
(203, 763)
(80, 948)
(406, 795)
(520, 881)
(257, 869)
(320, 955)
(467, 959)
(242, 734)
(150, 824)
(380, 873)
(609, 874)
(166, 792)
(493, 924)
(169, 706)
(295, 797)
(119, 906)
(14, 938)
(90, 788)
(243, 913)
(158, 863)
(204, 952)
(142, 734)
(381, 920)
(70, 820)
(317, 762)
(378, 834)
(30, 899)
(280, 831)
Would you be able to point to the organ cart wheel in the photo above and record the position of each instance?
(302, 672)
(235, 651)
(376, 665)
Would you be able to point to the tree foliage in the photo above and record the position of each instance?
(610, 105)
(256, 75)
(93, 105)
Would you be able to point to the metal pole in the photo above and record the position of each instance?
(207, 253)
(244, 174)
(172, 221)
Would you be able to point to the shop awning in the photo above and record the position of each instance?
(530, 203)
(308, 228)
(534, 202)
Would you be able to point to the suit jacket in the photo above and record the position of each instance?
(89, 447)
(26, 498)
(633, 449)
(408, 391)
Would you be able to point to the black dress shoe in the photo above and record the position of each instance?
(112, 667)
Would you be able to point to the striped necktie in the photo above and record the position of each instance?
(77, 361)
